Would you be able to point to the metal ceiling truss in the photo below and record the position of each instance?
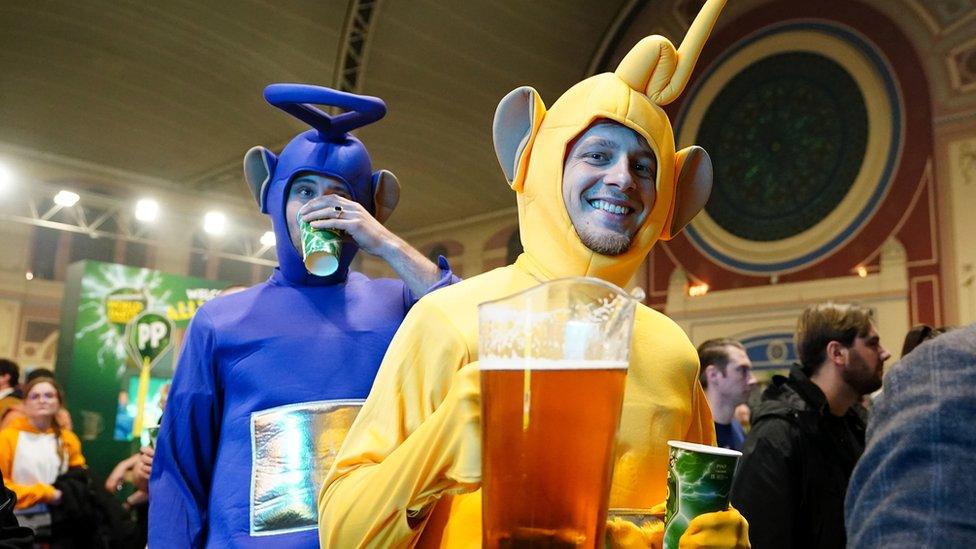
(101, 216)
(348, 77)
(354, 47)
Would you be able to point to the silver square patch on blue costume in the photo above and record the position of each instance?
(292, 449)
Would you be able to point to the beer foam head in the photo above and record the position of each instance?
(568, 320)
(535, 364)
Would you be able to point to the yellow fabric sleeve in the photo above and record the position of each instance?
(28, 495)
(416, 438)
(72, 444)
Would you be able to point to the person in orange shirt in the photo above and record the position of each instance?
(35, 450)
(16, 405)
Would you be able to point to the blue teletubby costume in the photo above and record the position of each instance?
(269, 379)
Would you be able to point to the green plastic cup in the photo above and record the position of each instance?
(320, 249)
(699, 482)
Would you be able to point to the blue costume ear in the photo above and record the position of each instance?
(259, 165)
(297, 100)
(386, 194)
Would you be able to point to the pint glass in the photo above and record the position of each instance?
(553, 365)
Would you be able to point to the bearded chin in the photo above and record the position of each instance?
(605, 242)
(860, 377)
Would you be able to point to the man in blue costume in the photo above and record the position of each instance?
(270, 378)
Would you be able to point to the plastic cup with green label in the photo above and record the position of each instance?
(320, 249)
(699, 482)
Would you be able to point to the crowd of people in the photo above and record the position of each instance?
(815, 454)
(806, 465)
(49, 495)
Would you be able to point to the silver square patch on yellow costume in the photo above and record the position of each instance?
(292, 449)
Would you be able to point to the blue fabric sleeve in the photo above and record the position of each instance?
(447, 278)
(186, 445)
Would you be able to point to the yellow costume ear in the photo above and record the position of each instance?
(693, 184)
(654, 68)
(517, 121)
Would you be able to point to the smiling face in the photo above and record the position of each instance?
(42, 401)
(609, 186)
(304, 188)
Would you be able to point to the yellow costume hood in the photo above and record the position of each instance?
(531, 144)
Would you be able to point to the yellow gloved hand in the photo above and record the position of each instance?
(623, 534)
(721, 530)
(647, 534)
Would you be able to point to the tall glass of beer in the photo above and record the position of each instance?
(553, 363)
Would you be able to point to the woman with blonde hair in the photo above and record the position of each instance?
(35, 449)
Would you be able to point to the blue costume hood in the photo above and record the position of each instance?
(327, 149)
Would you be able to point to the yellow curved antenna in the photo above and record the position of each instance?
(654, 68)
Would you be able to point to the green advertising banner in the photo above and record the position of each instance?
(121, 330)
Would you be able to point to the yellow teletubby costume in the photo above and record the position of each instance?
(409, 471)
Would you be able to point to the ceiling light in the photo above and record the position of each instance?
(268, 239)
(66, 199)
(147, 210)
(6, 176)
(698, 290)
(215, 223)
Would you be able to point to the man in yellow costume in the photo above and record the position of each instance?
(598, 182)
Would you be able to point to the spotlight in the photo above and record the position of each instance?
(66, 199)
(6, 177)
(215, 223)
(698, 290)
(29, 275)
(862, 271)
(268, 239)
(147, 210)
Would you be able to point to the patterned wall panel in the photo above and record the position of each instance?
(452, 250)
(942, 16)
(962, 66)
(770, 351)
(501, 248)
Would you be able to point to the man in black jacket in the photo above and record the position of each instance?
(806, 437)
